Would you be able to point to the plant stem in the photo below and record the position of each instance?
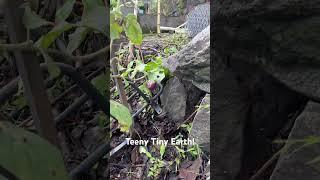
(28, 46)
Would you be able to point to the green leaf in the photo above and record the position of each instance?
(162, 150)
(101, 83)
(31, 20)
(143, 87)
(115, 31)
(28, 156)
(95, 16)
(140, 66)
(64, 12)
(143, 150)
(77, 38)
(157, 76)
(133, 29)
(122, 114)
(115, 15)
(150, 66)
(46, 40)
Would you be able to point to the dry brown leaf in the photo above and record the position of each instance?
(135, 155)
(192, 171)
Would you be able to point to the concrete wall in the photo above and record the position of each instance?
(148, 22)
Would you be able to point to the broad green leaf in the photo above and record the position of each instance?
(64, 12)
(28, 156)
(143, 87)
(155, 70)
(115, 15)
(143, 150)
(46, 40)
(162, 150)
(101, 83)
(151, 66)
(115, 31)
(77, 38)
(140, 66)
(95, 16)
(122, 114)
(158, 60)
(31, 20)
(133, 29)
(157, 76)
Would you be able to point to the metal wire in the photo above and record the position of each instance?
(198, 19)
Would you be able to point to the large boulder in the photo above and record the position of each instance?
(294, 164)
(281, 36)
(230, 113)
(191, 70)
(174, 99)
(201, 125)
(250, 108)
(192, 63)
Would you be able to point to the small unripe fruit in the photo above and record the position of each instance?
(151, 85)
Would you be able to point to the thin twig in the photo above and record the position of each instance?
(29, 46)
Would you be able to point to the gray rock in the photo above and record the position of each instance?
(192, 63)
(250, 108)
(201, 125)
(230, 113)
(173, 100)
(288, 49)
(281, 38)
(293, 164)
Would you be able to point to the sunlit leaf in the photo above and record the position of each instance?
(122, 114)
(115, 31)
(143, 87)
(133, 29)
(157, 76)
(162, 150)
(143, 150)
